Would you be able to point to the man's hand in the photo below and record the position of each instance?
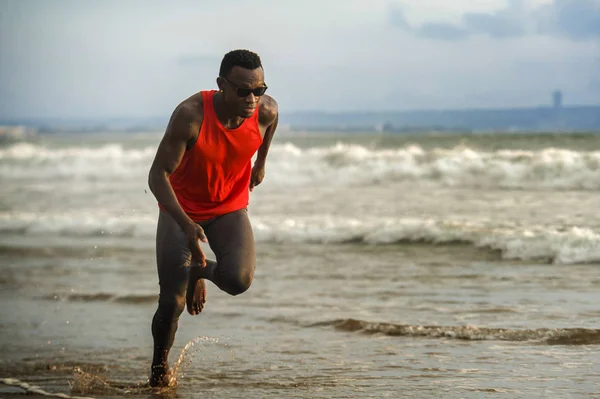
(258, 174)
(194, 232)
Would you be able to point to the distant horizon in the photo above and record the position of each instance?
(539, 118)
(131, 117)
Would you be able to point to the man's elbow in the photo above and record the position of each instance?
(152, 178)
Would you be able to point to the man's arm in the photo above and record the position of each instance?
(269, 117)
(170, 151)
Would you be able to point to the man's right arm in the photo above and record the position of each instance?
(169, 154)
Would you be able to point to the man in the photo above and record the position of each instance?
(201, 177)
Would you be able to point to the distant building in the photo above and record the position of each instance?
(557, 99)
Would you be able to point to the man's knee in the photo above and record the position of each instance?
(171, 307)
(239, 283)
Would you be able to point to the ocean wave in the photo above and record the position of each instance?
(110, 161)
(563, 245)
(459, 166)
(346, 164)
(80, 224)
(30, 389)
(549, 244)
(103, 297)
(550, 336)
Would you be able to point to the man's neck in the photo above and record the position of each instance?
(225, 116)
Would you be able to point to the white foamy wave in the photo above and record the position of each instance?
(459, 166)
(29, 389)
(565, 245)
(549, 244)
(84, 224)
(343, 164)
(551, 336)
(110, 161)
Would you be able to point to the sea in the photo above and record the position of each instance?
(431, 265)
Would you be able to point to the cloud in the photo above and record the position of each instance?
(572, 19)
(576, 19)
(142, 57)
(505, 23)
(443, 31)
(433, 30)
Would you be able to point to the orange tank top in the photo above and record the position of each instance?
(213, 177)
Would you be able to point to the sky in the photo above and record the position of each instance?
(134, 58)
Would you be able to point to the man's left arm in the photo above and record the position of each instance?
(269, 117)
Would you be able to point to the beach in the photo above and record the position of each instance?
(414, 266)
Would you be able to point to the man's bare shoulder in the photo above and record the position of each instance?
(187, 118)
(190, 109)
(268, 110)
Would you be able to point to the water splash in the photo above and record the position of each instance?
(91, 383)
(185, 357)
(86, 383)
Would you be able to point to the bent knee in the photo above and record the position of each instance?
(238, 284)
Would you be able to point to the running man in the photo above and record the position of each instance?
(201, 177)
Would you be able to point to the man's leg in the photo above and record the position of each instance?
(173, 260)
(231, 239)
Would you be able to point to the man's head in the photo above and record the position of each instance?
(242, 81)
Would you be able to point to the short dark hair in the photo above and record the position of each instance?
(242, 58)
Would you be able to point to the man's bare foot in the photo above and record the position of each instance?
(196, 294)
(159, 376)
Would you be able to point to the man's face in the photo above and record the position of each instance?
(242, 89)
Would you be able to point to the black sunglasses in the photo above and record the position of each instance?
(244, 92)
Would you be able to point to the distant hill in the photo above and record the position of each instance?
(83, 125)
(575, 118)
(518, 119)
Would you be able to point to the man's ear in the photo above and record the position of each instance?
(220, 83)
